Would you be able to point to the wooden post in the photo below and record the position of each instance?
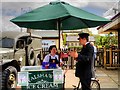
(104, 57)
(110, 55)
(119, 46)
(119, 39)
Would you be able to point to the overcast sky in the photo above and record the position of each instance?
(93, 6)
(13, 8)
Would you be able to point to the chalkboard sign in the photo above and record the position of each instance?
(44, 79)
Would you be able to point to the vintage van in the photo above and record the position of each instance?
(18, 49)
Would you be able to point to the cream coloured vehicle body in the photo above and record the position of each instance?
(16, 50)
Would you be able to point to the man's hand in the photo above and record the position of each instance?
(73, 54)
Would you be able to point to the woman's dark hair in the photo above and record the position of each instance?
(52, 46)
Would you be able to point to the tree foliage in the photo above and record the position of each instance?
(107, 40)
(64, 38)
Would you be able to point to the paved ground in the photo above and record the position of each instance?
(107, 78)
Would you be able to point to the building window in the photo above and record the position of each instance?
(72, 44)
(75, 44)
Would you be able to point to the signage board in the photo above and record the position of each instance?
(43, 79)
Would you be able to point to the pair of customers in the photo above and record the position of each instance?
(84, 61)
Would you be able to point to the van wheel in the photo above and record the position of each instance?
(31, 59)
(9, 78)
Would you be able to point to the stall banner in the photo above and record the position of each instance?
(43, 79)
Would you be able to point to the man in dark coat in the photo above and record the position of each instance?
(84, 58)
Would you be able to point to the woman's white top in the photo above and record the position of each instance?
(47, 58)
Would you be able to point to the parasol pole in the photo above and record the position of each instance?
(58, 28)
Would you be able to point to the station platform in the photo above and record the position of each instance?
(108, 79)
